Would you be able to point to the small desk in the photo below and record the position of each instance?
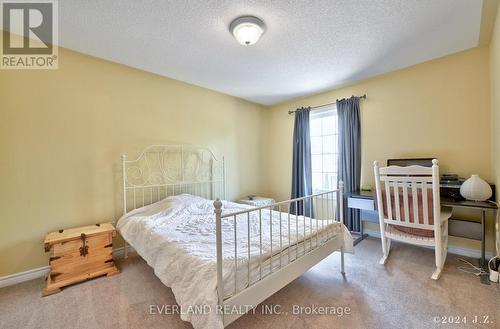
(482, 206)
(364, 201)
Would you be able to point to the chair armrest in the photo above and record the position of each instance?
(445, 213)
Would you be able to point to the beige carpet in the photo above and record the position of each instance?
(399, 295)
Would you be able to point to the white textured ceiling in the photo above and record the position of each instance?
(309, 46)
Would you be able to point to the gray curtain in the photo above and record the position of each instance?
(301, 167)
(349, 164)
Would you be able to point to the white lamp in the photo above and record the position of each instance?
(247, 30)
(475, 189)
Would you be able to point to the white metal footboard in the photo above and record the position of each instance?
(304, 240)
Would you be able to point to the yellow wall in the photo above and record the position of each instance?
(437, 109)
(495, 100)
(62, 133)
(495, 108)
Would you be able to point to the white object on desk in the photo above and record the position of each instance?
(475, 189)
(257, 201)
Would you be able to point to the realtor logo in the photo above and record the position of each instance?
(29, 34)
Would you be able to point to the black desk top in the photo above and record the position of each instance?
(444, 201)
(370, 195)
(448, 202)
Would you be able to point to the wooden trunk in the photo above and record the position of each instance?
(79, 254)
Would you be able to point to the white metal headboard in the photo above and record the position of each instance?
(166, 170)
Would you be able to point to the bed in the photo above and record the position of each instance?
(220, 258)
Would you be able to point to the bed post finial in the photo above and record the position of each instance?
(218, 206)
(218, 240)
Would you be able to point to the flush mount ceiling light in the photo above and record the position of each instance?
(247, 29)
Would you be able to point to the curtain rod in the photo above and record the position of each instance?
(314, 107)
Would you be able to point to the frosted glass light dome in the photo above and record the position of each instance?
(247, 30)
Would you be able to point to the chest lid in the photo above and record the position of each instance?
(76, 233)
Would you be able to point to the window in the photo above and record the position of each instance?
(324, 137)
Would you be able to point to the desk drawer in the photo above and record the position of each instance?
(359, 203)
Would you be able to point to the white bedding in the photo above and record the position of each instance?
(176, 236)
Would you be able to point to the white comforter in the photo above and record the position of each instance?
(176, 236)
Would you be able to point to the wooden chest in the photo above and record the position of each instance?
(79, 254)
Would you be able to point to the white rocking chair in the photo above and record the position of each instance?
(409, 212)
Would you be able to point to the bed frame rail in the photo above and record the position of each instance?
(322, 208)
(167, 170)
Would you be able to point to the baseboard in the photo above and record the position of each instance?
(40, 272)
(120, 252)
(466, 252)
(16, 278)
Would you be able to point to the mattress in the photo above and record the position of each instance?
(176, 237)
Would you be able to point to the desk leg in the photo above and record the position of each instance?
(482, 261)
(359, 234)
